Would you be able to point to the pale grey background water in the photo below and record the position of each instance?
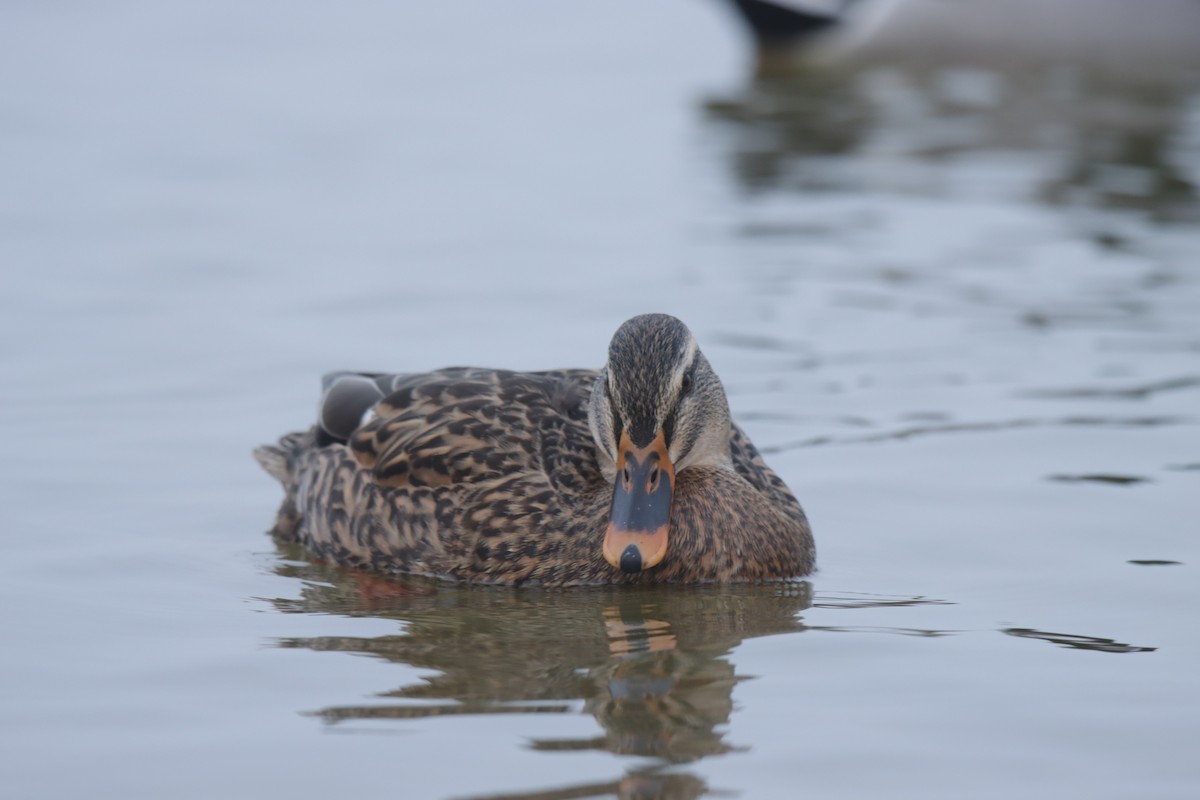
(938, 296)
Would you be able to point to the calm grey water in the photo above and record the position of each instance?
(958, 307)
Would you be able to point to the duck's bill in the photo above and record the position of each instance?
(641, 508)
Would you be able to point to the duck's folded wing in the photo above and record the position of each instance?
(464, 425)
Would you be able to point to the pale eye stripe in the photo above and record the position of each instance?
(689, 359)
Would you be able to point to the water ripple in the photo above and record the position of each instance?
(1078, 642)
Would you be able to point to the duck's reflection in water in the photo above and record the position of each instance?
(651, 666)
(641, 784)
(650, 784)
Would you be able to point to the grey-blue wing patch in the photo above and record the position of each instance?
(348, 396)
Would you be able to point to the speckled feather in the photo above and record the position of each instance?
(492, 476)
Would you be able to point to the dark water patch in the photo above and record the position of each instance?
(865, 300)
(1110, 240)
(802, 419)
(1192, 467)
(855, 600)
(881, 356)
(746, 341)
(1078, 642)
(1113, 480)
(1121, 315)
(1153, 562)
(1139, 392)
(1142, 345)
(925, 416)
(1121, 422)
(979, 427)
(768, 230)
(923, 633)
(809, 361)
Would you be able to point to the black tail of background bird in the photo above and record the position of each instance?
(782, 23)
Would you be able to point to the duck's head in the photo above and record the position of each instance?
(657, 409)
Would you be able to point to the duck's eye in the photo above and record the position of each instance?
(686, 386)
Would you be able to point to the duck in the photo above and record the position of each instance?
(631, 474)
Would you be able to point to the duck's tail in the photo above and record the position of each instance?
(274, 460)
(277, 459)
(347, 398)
(280, 460)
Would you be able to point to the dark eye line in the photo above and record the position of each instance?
(685, 386)
(688, 380)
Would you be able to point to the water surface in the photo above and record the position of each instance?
(956, 305)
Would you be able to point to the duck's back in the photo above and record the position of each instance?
(468, 473)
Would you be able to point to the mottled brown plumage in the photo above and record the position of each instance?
(508, 477)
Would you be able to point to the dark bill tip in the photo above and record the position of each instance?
(631, 559)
